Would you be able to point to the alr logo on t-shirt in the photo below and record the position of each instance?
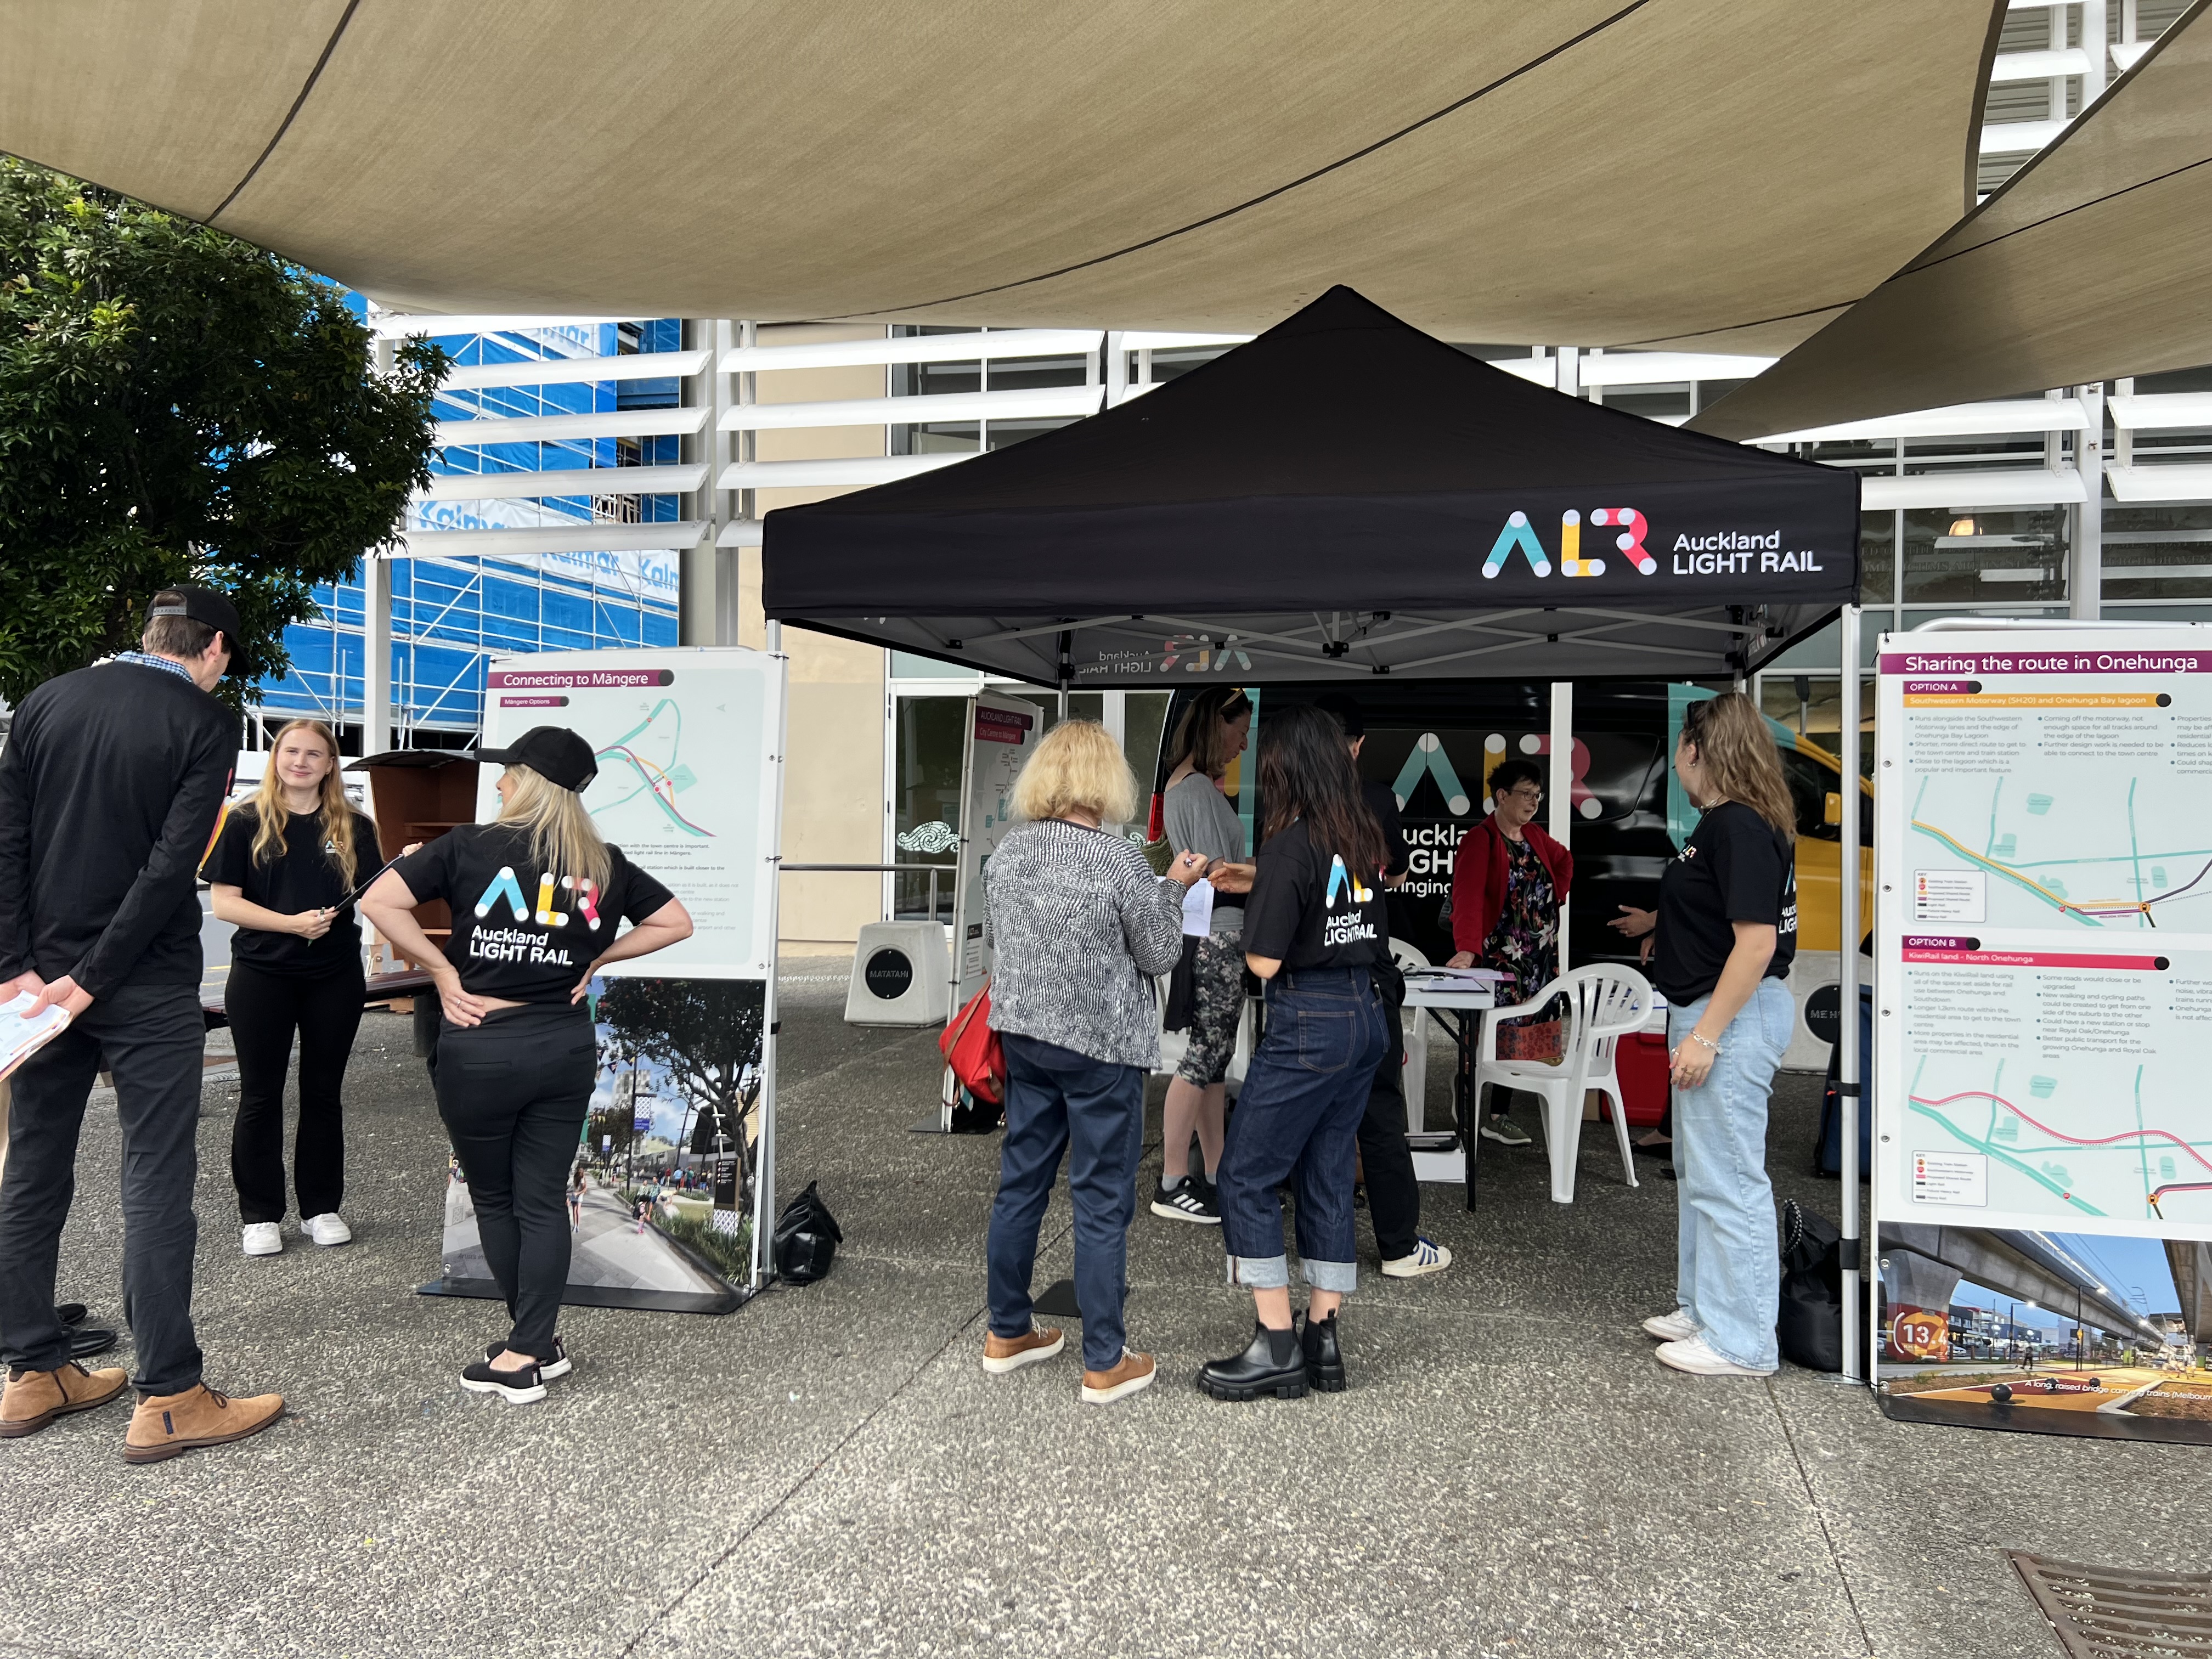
(1341, 879)
(504, 885)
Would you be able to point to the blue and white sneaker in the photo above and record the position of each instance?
(1428, 1257)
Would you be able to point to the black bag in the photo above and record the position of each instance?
(806, 1237)
(1809, 1323)
(1182, 988)
(1828, 1150)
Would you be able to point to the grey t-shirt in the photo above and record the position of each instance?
(1200, 819)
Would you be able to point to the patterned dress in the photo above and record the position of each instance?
(1525, 943)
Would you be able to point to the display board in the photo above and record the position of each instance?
(675, 1161)
(1002, 733)
(682, 738)
(2043, 951)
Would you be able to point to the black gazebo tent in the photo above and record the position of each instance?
(1343, 495)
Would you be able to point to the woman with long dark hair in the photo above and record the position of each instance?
(282, 870)
(1726, 933)
(1314, 929)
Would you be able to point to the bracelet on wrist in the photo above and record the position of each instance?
(1700, 1038)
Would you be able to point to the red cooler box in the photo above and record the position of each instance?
(1640, 1060)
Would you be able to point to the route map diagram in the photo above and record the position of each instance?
(2045, 932)
(645, 764)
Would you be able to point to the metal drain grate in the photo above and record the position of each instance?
(2108, 1612)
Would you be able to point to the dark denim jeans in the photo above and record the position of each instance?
(1297, 1120)
(152, 1037)
(1057, 1099)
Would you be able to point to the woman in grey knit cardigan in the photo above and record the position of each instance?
(1079, 924)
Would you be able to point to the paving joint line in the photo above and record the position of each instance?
(821, 1463)
(1819, 1515)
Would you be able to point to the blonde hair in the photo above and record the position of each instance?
(563, 840)
(270, 815)
(1077, 765)
(1738, 753)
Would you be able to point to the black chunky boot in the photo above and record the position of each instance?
(1272, 1365)
(1324, 1359)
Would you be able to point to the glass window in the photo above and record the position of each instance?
(906, 666)
(1877, 557)
(1002, 434)
(1653, 403)
(1144, 722)
(926, 801)
(2160, 552)
(1985, 556)
(1026, 373)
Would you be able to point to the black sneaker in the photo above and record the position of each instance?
(1187, 1202)
(517, 1387)
(557, 1366)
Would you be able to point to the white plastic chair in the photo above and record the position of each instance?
(1416, 1057)
(1604, 1004)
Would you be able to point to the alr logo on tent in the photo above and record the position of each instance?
(1517, 533)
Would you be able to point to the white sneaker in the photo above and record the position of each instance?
(327, 1229)
(264, 1238)
(1504, 1131)
(1427, 1258)
(1691, 1355)
(1676, 1326)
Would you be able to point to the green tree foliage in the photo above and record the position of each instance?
(176, 405)
(706, 1033)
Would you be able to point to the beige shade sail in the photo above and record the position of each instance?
(1596, 172)
(2091, 264)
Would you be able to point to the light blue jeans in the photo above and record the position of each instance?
(1729, 1268)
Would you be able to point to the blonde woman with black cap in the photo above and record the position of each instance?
(536, 899)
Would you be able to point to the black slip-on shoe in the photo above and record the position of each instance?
(517, 1387)
(1272, 1365)
(550, 1370)
(72, 1313)
(86, 1340)
(1324, 1359)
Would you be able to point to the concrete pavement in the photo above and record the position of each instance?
(829, 1472)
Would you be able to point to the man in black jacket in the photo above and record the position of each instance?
(111, 788)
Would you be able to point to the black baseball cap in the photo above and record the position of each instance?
(553, 752)
(213, 610)
(1346, 711)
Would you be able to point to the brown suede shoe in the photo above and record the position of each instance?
(1011, 1354)
(34, 1399)
(1131, 1372)
(168, 1423)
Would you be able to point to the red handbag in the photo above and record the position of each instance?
(974, 1058)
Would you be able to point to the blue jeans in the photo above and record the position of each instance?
(1297, 1120)
(1730, 1264)
(1056, 1098)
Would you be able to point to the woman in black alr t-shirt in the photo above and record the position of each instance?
(282, 870)
(1314, 929)
(537, 897)
(1727, 932)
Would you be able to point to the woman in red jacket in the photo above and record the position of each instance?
(1508, 880)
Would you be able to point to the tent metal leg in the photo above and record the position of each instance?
(1849, 1062)
(1559, 788)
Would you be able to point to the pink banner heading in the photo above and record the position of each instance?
(579, 679)
(2046, 662)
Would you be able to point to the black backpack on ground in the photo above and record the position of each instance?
(806, 1238)
(1809, 1321)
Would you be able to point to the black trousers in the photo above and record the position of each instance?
(1394, 1196)
(152, 1037)
(514, 1092)
(265, 1010)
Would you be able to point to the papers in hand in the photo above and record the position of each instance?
(1198, 909)
(1446, 977)
(21, 1038)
